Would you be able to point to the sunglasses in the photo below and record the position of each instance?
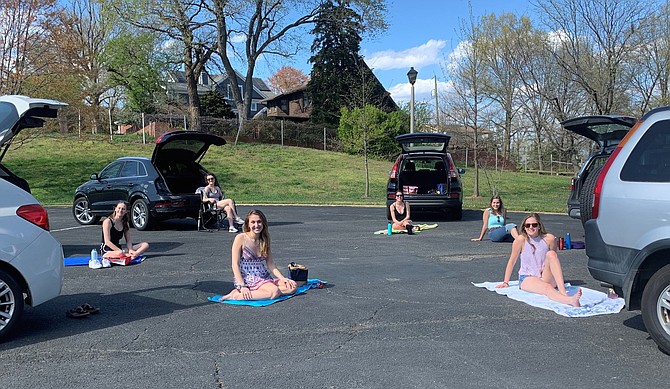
(210, 179)
(498, 218)
(533, 225)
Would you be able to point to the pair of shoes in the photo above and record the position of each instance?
(82, 311)
(410, 230)
(232, 229)
(94, 263)
(239, 220)
(106, 263)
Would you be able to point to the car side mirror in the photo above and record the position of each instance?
(461, 170)
(94, 177)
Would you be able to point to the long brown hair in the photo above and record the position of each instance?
(540, 228)
(501, 210)
(264, 239)
(125, 219)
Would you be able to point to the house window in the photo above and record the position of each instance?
(254, 107)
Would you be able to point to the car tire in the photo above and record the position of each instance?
(655, 311)
(457, 213)
(11, 303)
(139, 215)
(586, 194)
(81, 210)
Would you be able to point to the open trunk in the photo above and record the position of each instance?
(424, 176)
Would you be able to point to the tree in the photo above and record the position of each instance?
(215, 105)
(286, 79)
(271, 27)
(336, 44)
(24, 26)
(134, 63)
(466, 105)
(597, 39)
(183, 24)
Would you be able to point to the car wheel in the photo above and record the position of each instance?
(11, 303)
(139, 214)
(656, 308)
(81, 210)
(586, 194)
(457, 213)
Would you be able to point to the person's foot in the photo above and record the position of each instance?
(576, 297)
(232, 229)
(239, 220)
(410, 230)
(94, 264)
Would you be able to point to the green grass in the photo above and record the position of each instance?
(266, 174)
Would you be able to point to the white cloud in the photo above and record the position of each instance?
(424, 90)
(428, 53)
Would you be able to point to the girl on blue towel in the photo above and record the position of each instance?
(540, 270)
(253, 266)
(494, 220)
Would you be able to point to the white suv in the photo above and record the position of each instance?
(628, 239)
(31, 260)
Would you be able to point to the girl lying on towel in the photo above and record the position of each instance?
(540, 270)
(253, 266)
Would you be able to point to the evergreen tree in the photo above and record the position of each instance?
(336, 44)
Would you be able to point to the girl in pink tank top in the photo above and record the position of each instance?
(540, 271)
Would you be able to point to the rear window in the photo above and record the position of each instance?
(650, 159)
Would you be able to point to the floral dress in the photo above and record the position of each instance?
(254, 271)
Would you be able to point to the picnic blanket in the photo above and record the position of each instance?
(81, 261)
(421, 226)
(592, 301)
(311, 283)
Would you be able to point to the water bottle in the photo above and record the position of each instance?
(94, 255)
(390, 229)
(568, 243)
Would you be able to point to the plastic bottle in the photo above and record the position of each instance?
(568, 243)
(390, 229)
(94, 255)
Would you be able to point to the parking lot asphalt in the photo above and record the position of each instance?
(398, 311)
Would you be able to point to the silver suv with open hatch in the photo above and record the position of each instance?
(628, 237)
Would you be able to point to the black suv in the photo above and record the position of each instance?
(426, 174)
(163, 187)
(606, 131)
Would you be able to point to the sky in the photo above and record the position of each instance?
(422, 34)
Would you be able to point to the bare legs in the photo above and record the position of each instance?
(229, 207)
(267, 291)
(551, 283)
(138, 249)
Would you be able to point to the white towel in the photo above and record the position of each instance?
(592, 302)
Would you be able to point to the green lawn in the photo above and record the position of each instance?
(258, 173)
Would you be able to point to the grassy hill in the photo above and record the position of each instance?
(260, 174)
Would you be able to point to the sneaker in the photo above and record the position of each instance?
(239, 220)
(94, 263)
(232, 229)
(106, 263)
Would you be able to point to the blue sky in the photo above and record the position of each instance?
(422, 34)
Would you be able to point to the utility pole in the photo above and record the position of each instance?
(437, 107)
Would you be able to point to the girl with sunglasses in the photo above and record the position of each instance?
(540, 270)
(400, 214)
(214, 195)
(493, 221)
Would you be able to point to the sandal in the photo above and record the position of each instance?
(76, 313)
(88, 308)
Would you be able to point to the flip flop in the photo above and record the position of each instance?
(89, 308)
(76, 313)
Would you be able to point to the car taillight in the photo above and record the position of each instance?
(394, 170)
(35, 214)
(572, 185)
(599, 183)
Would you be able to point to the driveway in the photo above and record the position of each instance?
(398, 312)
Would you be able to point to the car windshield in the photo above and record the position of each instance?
(8, 118)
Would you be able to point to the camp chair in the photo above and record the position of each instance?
(209, 217)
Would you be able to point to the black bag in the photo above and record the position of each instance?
(297, 272)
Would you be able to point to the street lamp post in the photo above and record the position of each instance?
(411, 76)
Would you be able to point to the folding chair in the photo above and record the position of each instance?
(209, 217)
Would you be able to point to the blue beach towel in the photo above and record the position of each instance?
(81, 261)
(311, 283)
(592, 301)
